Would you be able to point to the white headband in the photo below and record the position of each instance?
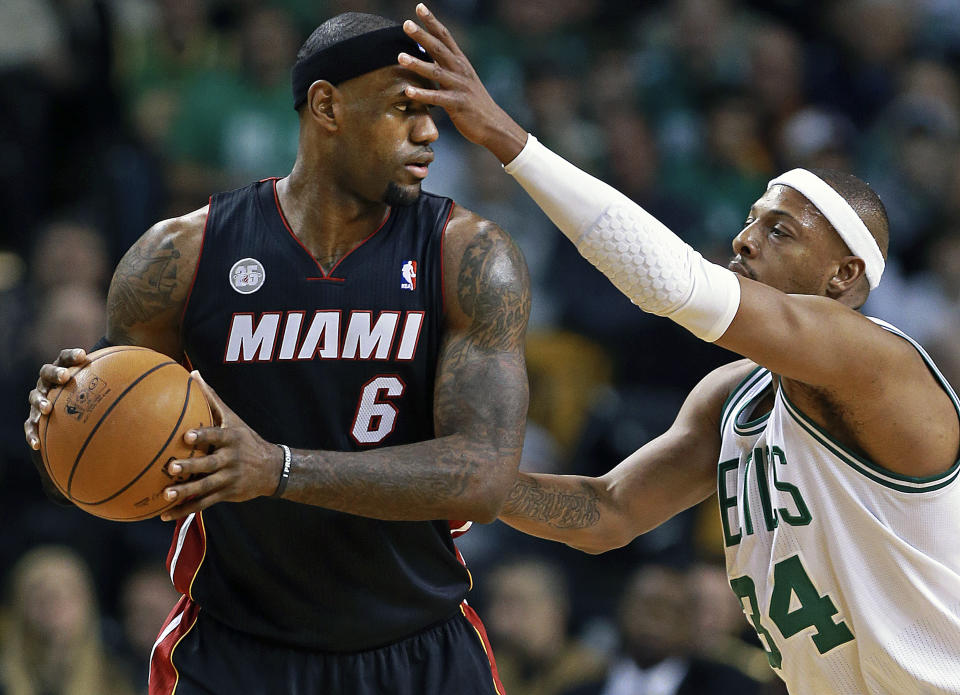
(839, 213)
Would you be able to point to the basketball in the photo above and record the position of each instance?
(115, 426)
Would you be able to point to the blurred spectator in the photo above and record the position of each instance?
(51, 641)
(816, 138)
(233, 126)
(658, 651)
(527, 614)
(69, 252)
(718, 624)
(146, 599)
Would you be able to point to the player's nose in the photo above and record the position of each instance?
(747, 242)
(424, 130)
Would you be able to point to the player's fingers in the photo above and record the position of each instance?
(197, 465)
(30, 432)
(205, 437)
(430, 43)
(222, 415)
(195, 489)
(54, 375)
(432, 71)
(191, 506)
(437, 29)
(71, 357)
(40, 403)
(434, 97)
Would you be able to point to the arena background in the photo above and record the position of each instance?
(117, 113)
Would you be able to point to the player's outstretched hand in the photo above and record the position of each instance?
(53, 375)
(458, 89)
(241, 466)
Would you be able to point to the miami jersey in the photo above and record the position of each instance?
(849, 573)
(339, 360)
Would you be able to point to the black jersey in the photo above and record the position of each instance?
(341, 361)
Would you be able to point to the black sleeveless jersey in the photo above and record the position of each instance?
(340, 361)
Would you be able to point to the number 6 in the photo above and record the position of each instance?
(375, 419)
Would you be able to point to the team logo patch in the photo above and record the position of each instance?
(408, 275)
(247, 275)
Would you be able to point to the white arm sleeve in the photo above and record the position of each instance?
(655, 268)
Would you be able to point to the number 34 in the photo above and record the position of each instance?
(790, 579)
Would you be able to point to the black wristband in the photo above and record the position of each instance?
(284, 472)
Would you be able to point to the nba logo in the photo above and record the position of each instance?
(408, 273)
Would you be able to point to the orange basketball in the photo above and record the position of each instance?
(115, 426)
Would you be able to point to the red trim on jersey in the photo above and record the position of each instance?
(187, 552)
(163, 674)
(187, 364)
(196, 270)
(457, 529)
(329, 279)
(474, 620)
(443, 235)
(323, 275)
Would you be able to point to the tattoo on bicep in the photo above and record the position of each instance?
(558, 508)
(143, 284)
(494, 290)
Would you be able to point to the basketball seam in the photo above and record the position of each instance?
(46, 429)
(103, 417)
(173, 432)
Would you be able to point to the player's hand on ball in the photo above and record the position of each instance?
(52, 376)
(459, 90)
(241, 465)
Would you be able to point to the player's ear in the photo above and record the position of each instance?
(849, 271)
(321, 97)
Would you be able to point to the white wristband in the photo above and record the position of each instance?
(656, 269)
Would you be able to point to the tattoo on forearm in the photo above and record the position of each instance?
(558, 508)
(480, 406)
(143, 284)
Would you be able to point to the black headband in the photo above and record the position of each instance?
(351, 58)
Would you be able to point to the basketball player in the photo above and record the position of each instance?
(833, 445)
(373, 334)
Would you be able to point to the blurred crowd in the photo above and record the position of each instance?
(117, 113)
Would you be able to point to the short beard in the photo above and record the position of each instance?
(397, 195)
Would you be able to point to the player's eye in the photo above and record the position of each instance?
(747, 222)
(403, 106)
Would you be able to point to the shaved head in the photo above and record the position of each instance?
(864, 201)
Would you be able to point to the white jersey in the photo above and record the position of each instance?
(849, 573)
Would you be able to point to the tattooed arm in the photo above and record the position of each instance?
(667, 475)
(151, 283)
(480, 406)
(144, 305)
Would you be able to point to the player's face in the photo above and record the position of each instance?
(788, 244)
(387, 137)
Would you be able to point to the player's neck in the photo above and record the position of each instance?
(327, 220)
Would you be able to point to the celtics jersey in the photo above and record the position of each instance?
(849, 573)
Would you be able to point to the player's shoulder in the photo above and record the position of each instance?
(181, 235)
(716, 387)
(483, 268)
(470, 237)
(465, 226)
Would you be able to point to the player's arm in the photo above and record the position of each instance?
(144, 304)
(812, 340)
(151, 284)
(671, 473)
(480, 405)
